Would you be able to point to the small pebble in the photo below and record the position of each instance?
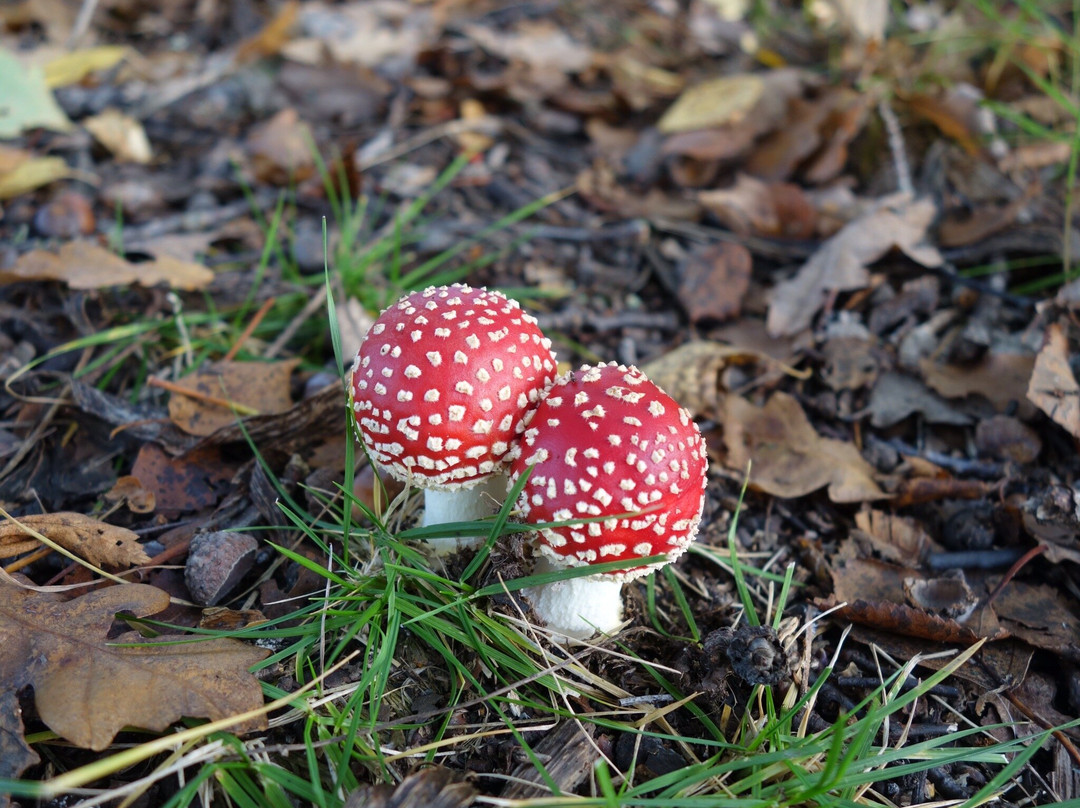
(68, 215)
(216, 563)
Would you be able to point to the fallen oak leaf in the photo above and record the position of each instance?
(100, 543)
(790, 459)
(86, 265)
(87, 689)
(97, 769)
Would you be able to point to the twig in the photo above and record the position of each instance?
(250, 329)
(312, 306)
(896, 146)
(973, 559)
(1034, 552)
(82, 22)
(488, 125)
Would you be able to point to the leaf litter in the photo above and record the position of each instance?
(804, 264)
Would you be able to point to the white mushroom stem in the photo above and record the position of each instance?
(462, 505)
(577, 607)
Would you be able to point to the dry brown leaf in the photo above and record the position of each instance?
(1042, 616)
(981, 223)
(845, 120)
(951, 118)
(896, 397)
(840, 264)
(691, 374)
(779, 154)
(1001, 377)
(720, 143)
(195, 480)
(85, 265)
(368, 34)
(1053, 388)
(899, 539)
(273, 36)
(789, 458)
(131, 491)
(1033, 156)
(262, 387)
(100, 543)
(540, 44)
(754, 207)
(851, 362)
(713, 280)
(282, 149)
(87, 689)
(876, 596)
(600, 188)
(918, 490)
(432, 787)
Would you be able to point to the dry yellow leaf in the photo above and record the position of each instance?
(100, 543)
(31, 174)
(122, 135)
(713, 103)
(71, 68)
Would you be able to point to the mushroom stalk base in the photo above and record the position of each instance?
(577, 607)
(469, 505)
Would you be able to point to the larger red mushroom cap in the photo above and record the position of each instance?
(443, 383)
(607, 442)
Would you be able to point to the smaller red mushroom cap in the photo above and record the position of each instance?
(444, 382)
(607, 442)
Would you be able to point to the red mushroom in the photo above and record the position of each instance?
(606, 443)
(442, 385)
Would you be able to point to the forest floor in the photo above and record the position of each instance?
(840, 234)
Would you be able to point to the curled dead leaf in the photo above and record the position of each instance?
(1053, 387)
(131, 491)
(100, 543)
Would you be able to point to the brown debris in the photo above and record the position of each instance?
(87, 690)
(790, 459)
(100, 543)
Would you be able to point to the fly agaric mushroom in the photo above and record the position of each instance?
(442, 385)
(607, 444)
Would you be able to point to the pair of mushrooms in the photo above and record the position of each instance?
(454, 388)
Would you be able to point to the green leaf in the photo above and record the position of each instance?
(26, 102)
